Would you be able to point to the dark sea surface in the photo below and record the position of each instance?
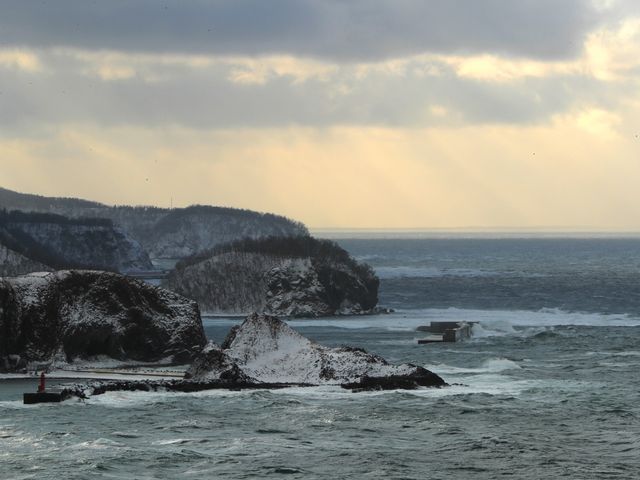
(548, 387)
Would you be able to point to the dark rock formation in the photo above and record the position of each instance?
(420, 378)
(265, 349)
(83, 314)
(287, 276)
(84, 391)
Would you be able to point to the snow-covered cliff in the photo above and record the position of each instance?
(82, 314)
(266, 349)
(287, 276)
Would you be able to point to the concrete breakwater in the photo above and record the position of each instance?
(446, 332)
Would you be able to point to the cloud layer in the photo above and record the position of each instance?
(334, 30)
(346, 113)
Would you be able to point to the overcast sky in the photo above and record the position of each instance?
(339, 113)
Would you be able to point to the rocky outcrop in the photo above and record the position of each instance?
(70, 315)
(266, 349)
(13, 263)
(286, 276)
(61, 242)
(163, 232)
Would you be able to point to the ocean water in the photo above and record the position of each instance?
(548, 387)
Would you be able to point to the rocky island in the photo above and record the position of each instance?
(265, 353)
(297, 276)
(265, 349)
(59, 317)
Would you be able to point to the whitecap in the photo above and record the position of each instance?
(491, 365)
(429, 272)
(98, 444)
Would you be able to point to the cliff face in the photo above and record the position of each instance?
(165, 233)
(76, 245)
(265, 349)
(13, 263)
(82, 314)
(298, 276)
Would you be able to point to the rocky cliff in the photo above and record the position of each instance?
(68, 315)
(165, 233)
(61, 242)
(287, 276)
(13, 263)
(265, 349)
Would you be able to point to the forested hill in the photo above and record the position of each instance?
(11, 200)
(289, 276)
(165, 233)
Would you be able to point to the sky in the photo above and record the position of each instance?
(338, 113)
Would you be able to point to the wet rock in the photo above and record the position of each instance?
(420, 378)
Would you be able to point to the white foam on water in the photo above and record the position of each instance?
(491, 365)
(626, 354)
(98, 444)
(172, 441)
(430, 272)
(492, 322)
(630, 353)
(126, 399)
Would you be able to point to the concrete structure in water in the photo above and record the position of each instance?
(446, 332)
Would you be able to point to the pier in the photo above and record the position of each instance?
(42, 395)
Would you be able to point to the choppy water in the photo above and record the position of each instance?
(544, 390)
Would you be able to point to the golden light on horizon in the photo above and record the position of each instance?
(424, 140)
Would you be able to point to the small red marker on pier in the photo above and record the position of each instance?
(42, 396)
(41, 386)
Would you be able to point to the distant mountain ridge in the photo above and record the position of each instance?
(162, 232)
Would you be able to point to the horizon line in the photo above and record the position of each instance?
(483, 229)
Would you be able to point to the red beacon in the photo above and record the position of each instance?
(41, 386)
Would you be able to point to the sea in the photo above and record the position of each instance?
(547, 387)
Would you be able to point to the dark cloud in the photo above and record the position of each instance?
(337, 30)
(205, 98)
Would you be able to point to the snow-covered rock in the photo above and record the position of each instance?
(293, 289)
(266, 349)
(287, 276)
(68, 315)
